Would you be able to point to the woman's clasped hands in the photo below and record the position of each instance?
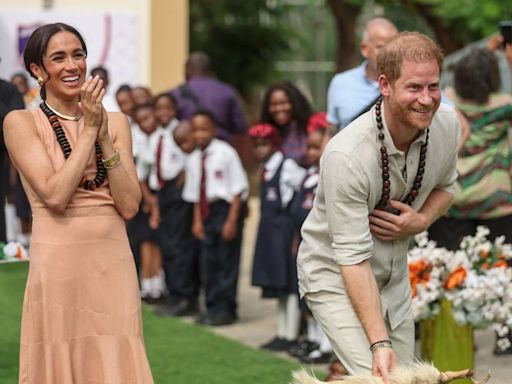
(94, 114)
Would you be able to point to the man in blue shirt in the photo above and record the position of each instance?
(352, 91)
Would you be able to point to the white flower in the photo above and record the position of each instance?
(503, 343)
(10, 250)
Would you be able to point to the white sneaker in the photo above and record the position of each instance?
(145, 288)
(154, 287)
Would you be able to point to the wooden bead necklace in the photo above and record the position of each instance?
(386, 182)
(101, 172)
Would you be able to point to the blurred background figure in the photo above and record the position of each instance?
(287, 109)
(109, 101)
(484, 186)
(354, 91)
(31, 96)
(202, 91)
(10, 99)
(141, 95)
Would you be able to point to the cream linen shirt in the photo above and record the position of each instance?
(337, 232)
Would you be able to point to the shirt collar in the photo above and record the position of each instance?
(171, 124)
(210, 148)
(388, 140)
(274, 161)
(362, 67)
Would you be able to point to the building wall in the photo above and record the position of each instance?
(162, 36)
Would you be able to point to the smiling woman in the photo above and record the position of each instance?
(286, 108)
(81, 313)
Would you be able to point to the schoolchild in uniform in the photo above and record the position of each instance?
(146, 221)
(315, 349)
(217, 185)
(180, 249)
(274, 268)
(126, 104)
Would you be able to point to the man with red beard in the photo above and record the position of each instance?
(385, 177)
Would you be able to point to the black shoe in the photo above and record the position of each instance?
(316, 357)
(278, 344)
(217, 319)
(183, 307)
(502, 352)
(303, 348)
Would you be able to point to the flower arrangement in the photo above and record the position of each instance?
(476, 279)
(12, 251)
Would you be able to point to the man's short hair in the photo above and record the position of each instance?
(477, 75)
(412, 46)
(206, 113)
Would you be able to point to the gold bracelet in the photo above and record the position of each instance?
(112, 161)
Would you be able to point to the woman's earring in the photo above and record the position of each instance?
(40, 81)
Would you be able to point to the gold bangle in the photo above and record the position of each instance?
(112, 161)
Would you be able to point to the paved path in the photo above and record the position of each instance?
(257, 322)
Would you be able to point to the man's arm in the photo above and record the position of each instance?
(365, 298)
(346, 192)
(387, 226)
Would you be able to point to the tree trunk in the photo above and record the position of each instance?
(444, 34)
(345, 14)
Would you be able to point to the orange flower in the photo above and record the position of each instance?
(419, 273)
(456, 278)
(500, 264)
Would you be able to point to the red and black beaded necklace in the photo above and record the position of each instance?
(386, 182)
(89, 184)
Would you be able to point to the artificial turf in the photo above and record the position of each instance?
(178, 352)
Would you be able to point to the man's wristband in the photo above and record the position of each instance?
(381, 344)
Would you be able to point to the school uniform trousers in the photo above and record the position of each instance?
(220, 261)
(179, 248)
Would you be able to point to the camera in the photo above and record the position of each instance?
(506, 31)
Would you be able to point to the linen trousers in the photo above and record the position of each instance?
(335, 314)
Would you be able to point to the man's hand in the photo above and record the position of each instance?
(387, 226)
(384, 359)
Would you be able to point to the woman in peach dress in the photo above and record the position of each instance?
(81, 318)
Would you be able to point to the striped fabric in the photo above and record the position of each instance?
(484, 188)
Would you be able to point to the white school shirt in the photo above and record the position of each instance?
(312, 177)
(225, 176)
(143, 159)
(172, 158)
(291, 176)
(139, 139)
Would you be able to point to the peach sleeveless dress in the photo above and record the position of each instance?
(81, 321)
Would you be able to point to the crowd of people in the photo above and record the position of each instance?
(341, 283)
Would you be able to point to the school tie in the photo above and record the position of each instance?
(204, 207)
(161, 182)
(262, 174)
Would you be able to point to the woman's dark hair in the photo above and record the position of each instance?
(477, 75)
(38, 42)
(301, 110)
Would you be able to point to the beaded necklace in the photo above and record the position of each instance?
(101, 172)
(386, 182)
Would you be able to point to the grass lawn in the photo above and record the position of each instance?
(178, 352)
